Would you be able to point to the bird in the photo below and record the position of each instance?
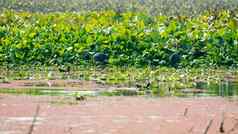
(148, 84)
(138, 85)
(80, 98)
(174, 59)
(101, 58)
(64, 69)
(49, 83)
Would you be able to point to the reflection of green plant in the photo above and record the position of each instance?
(4, 80)
(122, 92)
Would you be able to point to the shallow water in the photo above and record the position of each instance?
(223, 88)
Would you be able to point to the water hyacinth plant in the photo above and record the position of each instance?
(126, 39)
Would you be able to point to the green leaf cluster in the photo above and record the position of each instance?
(129, 38)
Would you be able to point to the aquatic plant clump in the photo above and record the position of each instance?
(119, 39)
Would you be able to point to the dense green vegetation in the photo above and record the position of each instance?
(129, 38)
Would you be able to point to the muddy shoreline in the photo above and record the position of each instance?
(118, 115)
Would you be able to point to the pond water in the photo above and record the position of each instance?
(198, 89)
(223, 88)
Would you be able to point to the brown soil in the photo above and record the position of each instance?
(117, 115)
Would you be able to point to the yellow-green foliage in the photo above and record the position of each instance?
(128, 38)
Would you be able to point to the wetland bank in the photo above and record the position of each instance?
(121, 81)
(115, 101)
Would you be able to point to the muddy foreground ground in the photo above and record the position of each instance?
(117, 115)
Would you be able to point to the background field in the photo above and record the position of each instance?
(152, 7)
